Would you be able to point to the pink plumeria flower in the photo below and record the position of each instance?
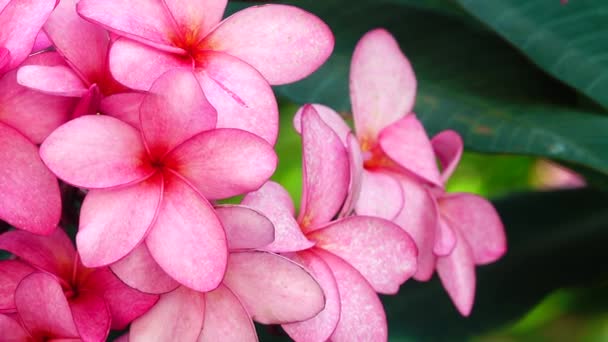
(234, 59)
(56, 296)
(153, 185)
(351, 257)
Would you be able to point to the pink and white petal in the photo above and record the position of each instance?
(241, 95)
(114, 221)
(245, 227)
(445, 239)
(11, 273)
(355, 159)
(82, 43)
(448, 147)
(362, 316)
(325, 172)
(123, 106)
(54, 253)
(91, 316)
(330, 117)
(273, 289)
(52, 80)
(407, 144)
(284, 43)
(29, 193)
(382, 84)
(96, 151)
(124, 303)
(479, 223)
(224, 162)
(275, 202)
(178, 316)
(457, 274)
(174, 110)
(137, 66)
(379, 249)
(42, 42)
(195, 18)
(226, 319)
(188, 240)
(322, 326)
(43, 308)
(147, 21)
(380, 195)
(12, 330)
(21, 20)
(419, 218)
(141, 272)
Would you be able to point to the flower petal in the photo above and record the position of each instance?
(479, 224)
(325, 172)
(322, 326)
(96, 151)
(380, 196)
(283, 42)
(355, 159)
(448, 147)
(57, 80)
(445, 239)
(123, 106)
(245, 228)
(114, 221)
(196, 17)
(329, 116)
(89, 102)
(12, 329)
(42, 42)
(5, 57)
(11, 273)
(188, 240)
(139, 270)
(224, 162)
(272, 288)
(173, 111)
(226, 319)
(91, 316)
(29, 194)
(178, 316)
(382, 84)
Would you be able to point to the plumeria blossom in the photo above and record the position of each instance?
(154, 185)
(54, 295)
(352, 257)
(234, 59)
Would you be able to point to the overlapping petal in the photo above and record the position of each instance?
(355, 159)
(12, 330)
(329, 116)
(123, 106)
(245, 228)
(445, 239)
(448, 147)
(380, 195)
(91, 316)
(57, 80)
(195, 18)
(226, 319)
(11, 273)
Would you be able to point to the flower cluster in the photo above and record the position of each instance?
(155, 111)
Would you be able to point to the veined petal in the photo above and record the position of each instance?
(224, 162)
(29, 194)
(123, 106)
(445, 239)
(91, 316)
(188, 240)
(355, 159)
(325, 172)
(329, 116)
(448, 147)
(273, 289)
(275, 203)
(284, 43)
(96, 151)
(174, 110)
(245, 228)
(380, 195)
(12, 329)
(196, 17)
(382, 84)
(226, 319)
(114, 221)
(11, 273)
(52, 80)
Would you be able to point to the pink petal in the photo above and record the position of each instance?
(445, 239)
(362, 316)
(406, 143)
(139, 271)
(329, 116)
(325, 178)
(226, 319)
(89, 102)
(54, 253)
(178, 316)
(457, 274)
(355, 159)
(11, 273)
(91, 316)
(275, 203)
(12, 330)
(380, 195)
(114, 221)
(96, 151)
(124, 106)
(29, 194)
(173, 111)
(188, 240)
(21, 20)
(5, 57)
(273, 289)
(479, 224)
(43, 307)
(322, 326)
(196, 18)
(448, 147)
(382, 84)
(284, 43)
(245, 228)
(53, 80)
(42, 42)
(241, 95)
(225, 162)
